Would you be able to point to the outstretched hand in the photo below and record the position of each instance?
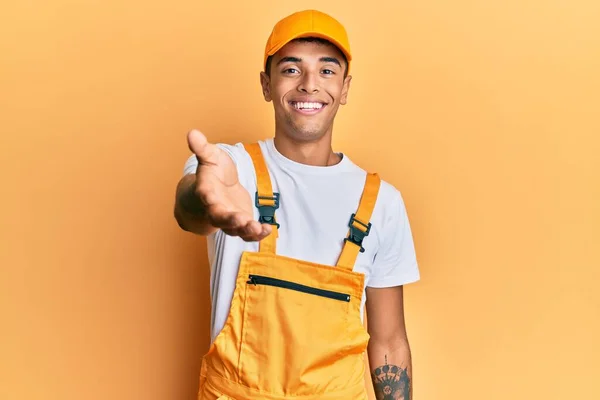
(227, 203)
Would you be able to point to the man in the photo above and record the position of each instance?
(299, 237)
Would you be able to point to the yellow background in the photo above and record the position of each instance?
(485, 114)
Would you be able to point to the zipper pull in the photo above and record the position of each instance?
(252, 280)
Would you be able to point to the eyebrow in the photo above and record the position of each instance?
(297, 60)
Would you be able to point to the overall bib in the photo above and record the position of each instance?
(294, 328)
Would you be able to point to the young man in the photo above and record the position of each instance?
(299, 237)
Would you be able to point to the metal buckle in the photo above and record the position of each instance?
(267, 213)
(357, 236)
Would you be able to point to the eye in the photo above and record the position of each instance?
(290, 71)
(328, 72)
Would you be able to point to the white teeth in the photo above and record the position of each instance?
(307, 106)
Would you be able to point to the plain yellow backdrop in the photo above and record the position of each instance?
(485, 114)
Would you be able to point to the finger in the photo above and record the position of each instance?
(196, 140)
(241, 233)
(256, 232)
(237, 224)
(251, 231)
(266, 230)
(226, 220)
(199, 145)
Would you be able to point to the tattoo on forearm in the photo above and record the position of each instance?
(391, 382)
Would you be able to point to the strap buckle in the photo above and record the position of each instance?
(356, 235)
(267, 212)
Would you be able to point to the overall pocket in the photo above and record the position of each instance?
(295, 335)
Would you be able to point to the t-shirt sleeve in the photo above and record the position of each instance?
(190, 166)
(396, 261)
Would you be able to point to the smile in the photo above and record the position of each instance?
(307, 107)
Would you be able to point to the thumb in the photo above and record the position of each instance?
(198, 144)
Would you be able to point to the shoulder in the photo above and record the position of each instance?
(244, 161)
(389, 194)
(389, 197)
(389, 203)
(389, 214)
(390, 200)
(236, 151)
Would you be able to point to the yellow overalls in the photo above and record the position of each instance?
(294, 328)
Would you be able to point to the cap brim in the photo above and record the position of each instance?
(319, 35)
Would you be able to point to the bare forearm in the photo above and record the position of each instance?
(391, 370)
(189, 211)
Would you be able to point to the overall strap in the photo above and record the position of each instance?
(265, 200)
(359, 223)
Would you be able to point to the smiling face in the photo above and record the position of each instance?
(307, 83)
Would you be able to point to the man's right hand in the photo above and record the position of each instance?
(227, 204)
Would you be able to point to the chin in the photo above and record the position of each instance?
(306, 134)
(302, 131)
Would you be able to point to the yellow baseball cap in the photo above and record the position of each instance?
(307, 23)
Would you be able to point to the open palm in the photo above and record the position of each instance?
(227, 203)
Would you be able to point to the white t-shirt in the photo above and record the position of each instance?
(315, 207)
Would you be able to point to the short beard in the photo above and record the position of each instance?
(303, 133)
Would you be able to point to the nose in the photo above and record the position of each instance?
(309, 83)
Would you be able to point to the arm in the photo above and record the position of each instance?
(389, 351)
(395, 266)
(189, 211)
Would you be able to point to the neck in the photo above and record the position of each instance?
(315, 153)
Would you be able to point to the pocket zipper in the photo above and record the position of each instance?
(265, 280)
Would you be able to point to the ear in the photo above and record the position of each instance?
(265, 82)
(345, 89)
